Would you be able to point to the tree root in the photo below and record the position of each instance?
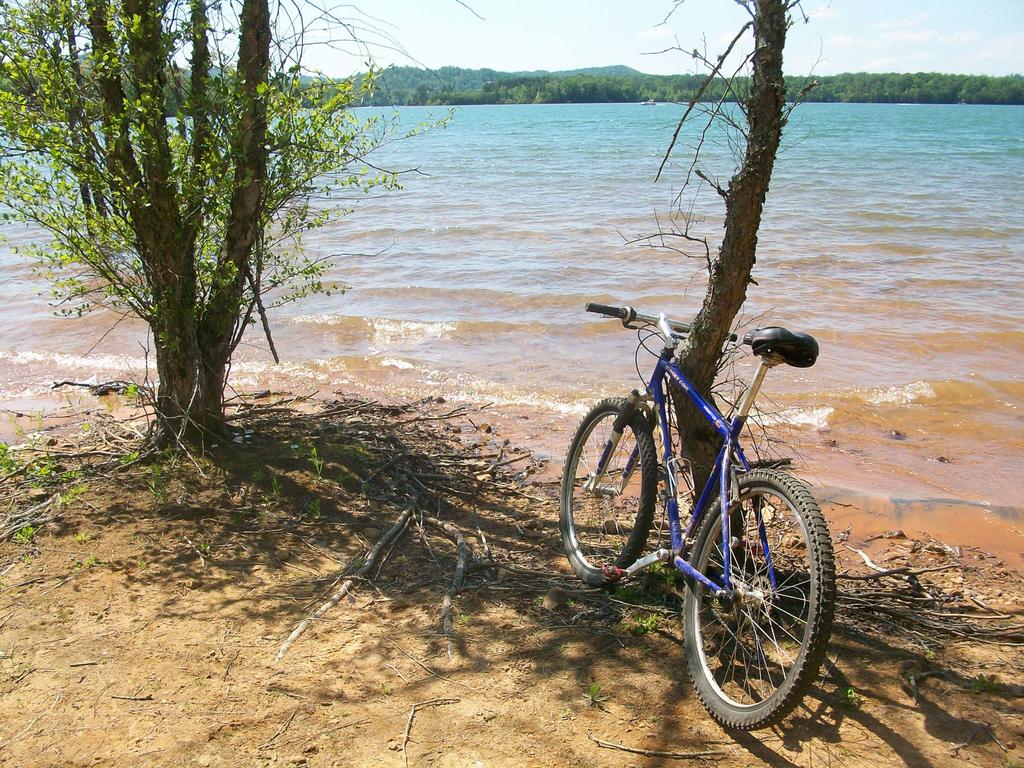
(458, 578)
(896, 599)
(370, 563)
(17, 520)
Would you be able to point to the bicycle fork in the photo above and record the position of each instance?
(618, 429)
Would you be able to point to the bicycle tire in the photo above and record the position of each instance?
(608, 525)
(801, 553)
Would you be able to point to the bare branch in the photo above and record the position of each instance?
(700, 92)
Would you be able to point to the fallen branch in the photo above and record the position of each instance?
(424, 667)
(31, 725)
(656, 752)
(458, 578)
(99, 390)
(412, 714)
(33, 516)
(902, 570)
(346, 586)
(282, 729)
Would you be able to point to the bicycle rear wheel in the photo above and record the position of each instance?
(752, 662)
(607, 523)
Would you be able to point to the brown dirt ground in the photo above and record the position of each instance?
(141, 629)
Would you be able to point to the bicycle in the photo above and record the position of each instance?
(758, 606)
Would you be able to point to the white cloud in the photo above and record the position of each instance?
(842, 41)
(882, 63)
(960, 38)
(907, 22)
(910, 36)
(658, 33)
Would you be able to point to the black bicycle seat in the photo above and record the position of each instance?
(797, 349)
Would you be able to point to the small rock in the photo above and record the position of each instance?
(394, 746)
(533, 525)
(1011, 744)
(37, 494)
(298, 760)
(371, 533)
(52, 441)
(485, 428)
(611, 526)
(832, 442)
(56, 527)
(556, 599)
(897, 534)
(942, 460)
(895, 434)
(439, 399)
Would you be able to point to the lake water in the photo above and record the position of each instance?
(894, 234)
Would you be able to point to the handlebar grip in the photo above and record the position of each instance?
(603, 309)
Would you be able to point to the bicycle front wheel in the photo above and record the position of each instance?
(752, 660)
(605, 517)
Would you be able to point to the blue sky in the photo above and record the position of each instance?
(980, 37)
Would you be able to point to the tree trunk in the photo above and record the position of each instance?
(190, 395)
(731, 268)
(193, 353)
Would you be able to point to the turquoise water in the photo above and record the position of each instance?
(892, 233)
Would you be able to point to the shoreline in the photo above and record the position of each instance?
(869, 506)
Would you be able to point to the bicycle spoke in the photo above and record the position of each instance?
(765, 633)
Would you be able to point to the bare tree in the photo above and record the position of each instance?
(755, 126)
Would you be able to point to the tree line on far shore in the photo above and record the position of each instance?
(453, 85)
(410, 86)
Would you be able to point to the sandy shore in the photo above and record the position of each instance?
(140, 626)
(866, 499)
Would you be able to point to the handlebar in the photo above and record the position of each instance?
(628, 316)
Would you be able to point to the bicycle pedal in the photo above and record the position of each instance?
(612, 573)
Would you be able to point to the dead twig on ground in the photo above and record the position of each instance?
(30, 726)
(284, 727)
(458, 578)
(656, 752)
(424, 667)
(346, 586)
(412, 714)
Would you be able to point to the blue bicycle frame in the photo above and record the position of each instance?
(664, 373)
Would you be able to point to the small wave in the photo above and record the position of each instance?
(28, 393)
(323, 318)
(391, 362)
(901, 395)
(387, 333)
(816, 418)
(66, 361)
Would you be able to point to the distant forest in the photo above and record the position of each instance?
(452, 85)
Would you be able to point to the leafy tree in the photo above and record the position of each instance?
(452, 85)
(174, 154)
